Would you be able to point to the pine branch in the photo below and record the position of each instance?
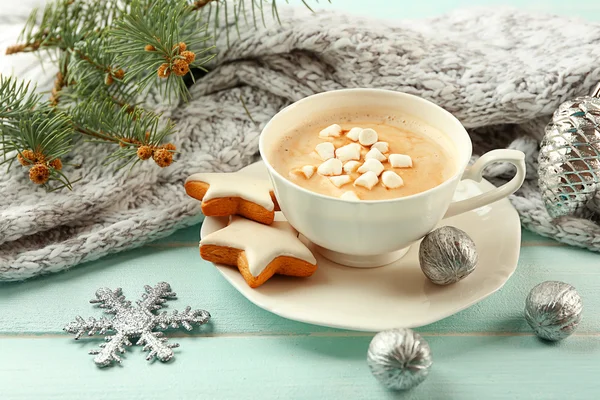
(138, 133)
(63, 23)
(76, 29)
(59, 84)
(94, 71)
(109, 53)
(16, 98)
(38, 135)
(222, 15)
(161, 41)
(220, 18)
(33, 133)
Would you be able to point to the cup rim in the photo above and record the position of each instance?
(417, 99)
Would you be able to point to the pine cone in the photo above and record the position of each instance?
(56, 164)
(180, 67)
(119, 74)
(144, 152)
(39, 173)
(163, 158)
(39, 157)
(27, 157)
(189, 56)
(163, 71)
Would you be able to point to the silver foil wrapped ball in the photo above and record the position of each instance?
(569, 158)
(553, 309)
(399, 358)
(447, 255)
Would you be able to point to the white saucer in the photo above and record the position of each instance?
(395, 295)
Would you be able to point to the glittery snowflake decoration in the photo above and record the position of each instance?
(135, 322)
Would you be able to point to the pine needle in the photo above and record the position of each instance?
(275, 12)
(246, 109)
(254, 13)
(227, 24)
(236, 13)
(307, 6)
(161, 25)
(262, 13)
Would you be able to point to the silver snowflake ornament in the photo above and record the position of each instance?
(135, 322)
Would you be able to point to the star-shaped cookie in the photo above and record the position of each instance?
(224, 194)
(259, 251)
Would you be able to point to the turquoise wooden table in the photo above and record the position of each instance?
(484, 352)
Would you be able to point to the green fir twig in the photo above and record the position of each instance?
(160, 26)
(109, 55)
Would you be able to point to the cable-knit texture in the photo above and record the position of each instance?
(501, 72)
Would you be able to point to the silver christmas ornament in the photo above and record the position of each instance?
(569, 159)
(447, 255)
(135, 322)
(399, 358)
(553, 309)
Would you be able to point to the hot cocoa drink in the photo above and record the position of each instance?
(364, 157)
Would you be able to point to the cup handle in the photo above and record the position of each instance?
(515, 157)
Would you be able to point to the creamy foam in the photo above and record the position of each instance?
(430, 150)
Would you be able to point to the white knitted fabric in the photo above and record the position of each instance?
(501, 72)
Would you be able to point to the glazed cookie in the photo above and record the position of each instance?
(259, 251)
(224, 194)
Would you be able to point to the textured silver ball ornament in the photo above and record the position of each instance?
(569, 158)
(553, 309)
(447, 255)
(399, 358)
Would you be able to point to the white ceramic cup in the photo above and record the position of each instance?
(377, 232)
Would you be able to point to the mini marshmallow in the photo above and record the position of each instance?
(325, 150)
(367, 137)
(350, 196)
(331, 167)
(308, 170)
(376, 154)
(353, 134)
(341, 180)
(383, 147)
(391, 180)
(372, 165)
(348, 152)
(368, 180)
(313, 154)
(400, 161)
(351, 166)
(331, 131)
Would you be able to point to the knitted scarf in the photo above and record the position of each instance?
(501, 72)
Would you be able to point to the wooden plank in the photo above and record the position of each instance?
(284, 367)
(502, 312)
(529, 238)
(46, 304)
